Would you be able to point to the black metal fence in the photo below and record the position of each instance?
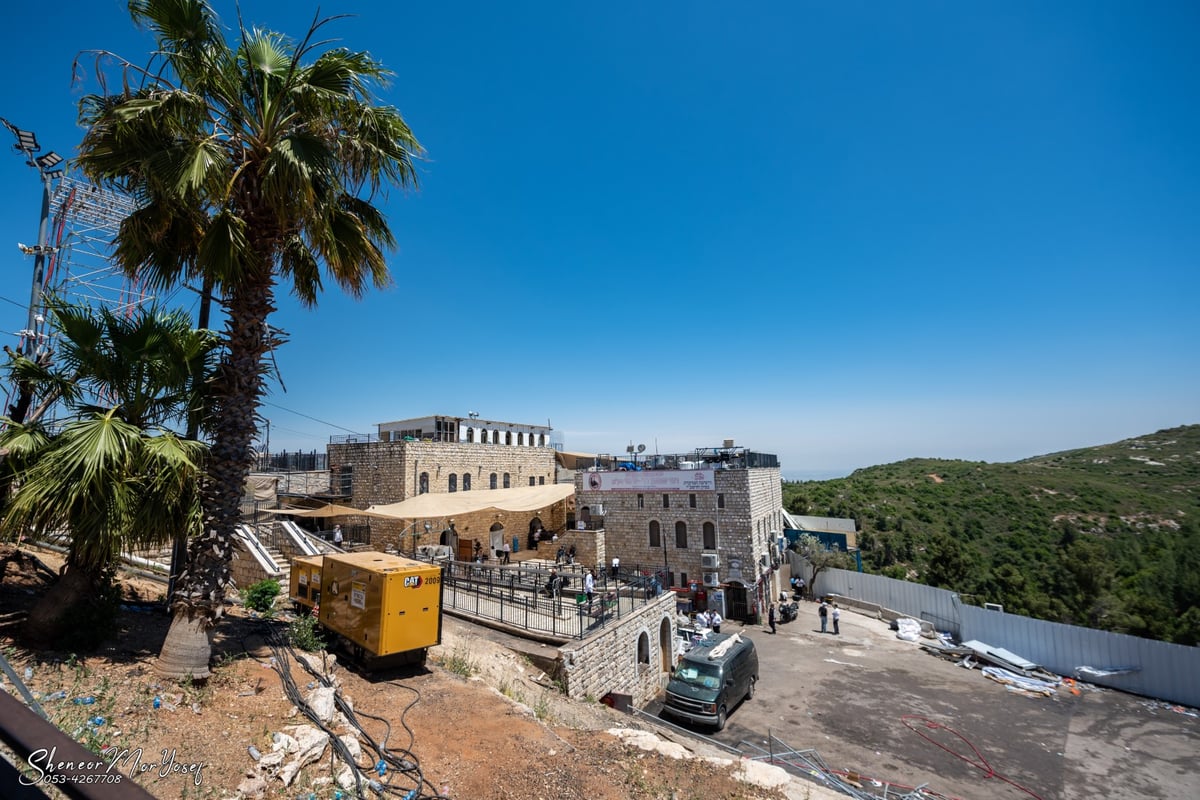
(545, 600)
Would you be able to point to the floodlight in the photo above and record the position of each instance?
(49, 160)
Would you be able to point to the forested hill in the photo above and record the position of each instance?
(1107, 537)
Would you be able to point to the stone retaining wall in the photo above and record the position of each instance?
(633, 656)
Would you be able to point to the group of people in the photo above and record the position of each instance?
(710, 619)
(565, 555)
(825, 612)
(798, 586)
(828, 611)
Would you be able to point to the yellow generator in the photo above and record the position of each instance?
(382, 605)
(305, 589)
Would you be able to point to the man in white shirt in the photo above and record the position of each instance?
(589, 587)
(714, 620)
(616, 565)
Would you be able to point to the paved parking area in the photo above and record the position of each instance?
(853, 698)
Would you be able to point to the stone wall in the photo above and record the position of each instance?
(389, 472)
(244, 569)
(745, 507)
(634, 656)
(589, 547)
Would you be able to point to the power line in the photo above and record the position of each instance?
(306, 416)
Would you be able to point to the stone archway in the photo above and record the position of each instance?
(496, 539)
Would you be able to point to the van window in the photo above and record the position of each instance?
(699, 674)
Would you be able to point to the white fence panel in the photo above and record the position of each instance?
(1145, 666)
(937, 606)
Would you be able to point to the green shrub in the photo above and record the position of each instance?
(305, 632)
(261, 596)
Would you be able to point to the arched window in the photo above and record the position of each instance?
(508, 437)
(492, 481)
(710, 536)
(507, 481)
(541, 440)
(466, 481)
(655, 534)
(423, 484)
(453, 484)
(521, 439)
(643, 648)
(470, 435)
(681, 535)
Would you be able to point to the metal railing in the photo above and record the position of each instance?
(256, 548)
(534, 600)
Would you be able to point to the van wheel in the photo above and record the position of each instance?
(750, 691)
(721, 714)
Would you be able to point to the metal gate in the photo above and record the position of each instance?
(739, 609)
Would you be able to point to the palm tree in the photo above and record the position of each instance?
(256, 162)
(112, 478)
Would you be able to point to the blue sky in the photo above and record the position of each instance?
(844, 233)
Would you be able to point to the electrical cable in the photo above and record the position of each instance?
(389, 762)
(915, 722)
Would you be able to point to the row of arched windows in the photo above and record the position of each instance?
(520, 438)
(708, 535)
(452, 482)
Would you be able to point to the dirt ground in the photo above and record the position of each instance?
(477, 721)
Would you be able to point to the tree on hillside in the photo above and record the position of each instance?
(112, 478)
(820, 557)
(256, 162)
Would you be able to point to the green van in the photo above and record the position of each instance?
(713, 677)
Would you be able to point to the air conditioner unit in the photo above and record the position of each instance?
(598, 509)
(711, 579)
(710, 561)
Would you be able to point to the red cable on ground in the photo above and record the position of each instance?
(911, 721)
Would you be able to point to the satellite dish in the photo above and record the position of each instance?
(641, 448)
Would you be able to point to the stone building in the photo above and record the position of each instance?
(712, 519)
(446, 455)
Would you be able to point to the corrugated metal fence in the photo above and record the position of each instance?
(1143, 666)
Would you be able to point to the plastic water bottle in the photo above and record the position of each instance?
(61, 694)
(96, 721)
(157, 701)
(84, 701)
(381, 768)
(28, 673)
(253, 751)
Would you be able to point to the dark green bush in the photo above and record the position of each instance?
(261, 596)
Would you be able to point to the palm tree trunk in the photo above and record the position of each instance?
(200, 594)
(49, 617)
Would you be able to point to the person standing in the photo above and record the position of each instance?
(337, 535)
(714, 620)
(507, 551)
(823, 613)
(771, 617)
(800, 587)
(836, 613)
(616, 566)
(589, 587)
